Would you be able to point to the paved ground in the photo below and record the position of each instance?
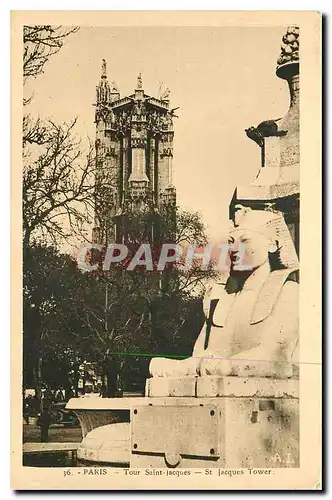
(31, 434)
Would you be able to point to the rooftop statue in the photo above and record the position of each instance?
(251, 326)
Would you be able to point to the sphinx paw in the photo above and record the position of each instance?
(262, 368)
(221, 367)
(156, 367)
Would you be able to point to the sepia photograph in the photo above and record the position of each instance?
(169, 330)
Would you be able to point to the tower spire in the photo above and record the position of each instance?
(103, 69)
(103, 88)
(139, 81)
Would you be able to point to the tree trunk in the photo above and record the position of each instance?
(68, 392)
(111, 373)
(37, 374)
(26, 242)
(77, 378)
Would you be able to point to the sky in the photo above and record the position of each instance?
(222, 78)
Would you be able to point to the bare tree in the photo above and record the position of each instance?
(40, 43)
(57, 182)
(57, 174)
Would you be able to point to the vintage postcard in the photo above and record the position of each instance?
(166, 250)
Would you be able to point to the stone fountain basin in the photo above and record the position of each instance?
(109, 444)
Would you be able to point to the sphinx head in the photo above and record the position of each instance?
(258, 237)
(250, 247)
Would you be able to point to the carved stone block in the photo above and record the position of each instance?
(171, 387)
(213, 386)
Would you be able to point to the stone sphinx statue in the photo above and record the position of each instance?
(251, 327)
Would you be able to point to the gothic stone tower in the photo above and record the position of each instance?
(277, 183)
(134, 150)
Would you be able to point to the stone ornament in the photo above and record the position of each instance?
(165, 95)
(290, 46)
(139, 81)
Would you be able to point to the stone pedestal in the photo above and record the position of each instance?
(230, 422)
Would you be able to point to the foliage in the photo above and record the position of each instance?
(116, 320)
